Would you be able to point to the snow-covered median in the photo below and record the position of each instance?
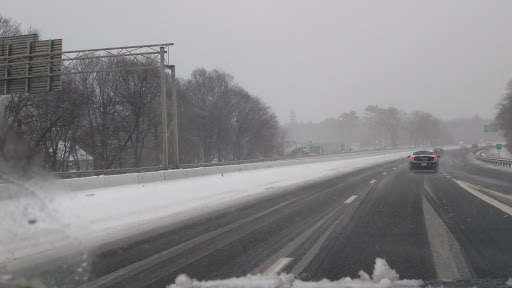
(99, 216)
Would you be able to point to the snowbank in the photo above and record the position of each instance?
(494, 153)
(383, 276)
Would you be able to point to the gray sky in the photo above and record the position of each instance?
(318, 58)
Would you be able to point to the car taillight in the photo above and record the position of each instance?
(412, 158)
(435, 158)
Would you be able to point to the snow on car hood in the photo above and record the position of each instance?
(383, 276)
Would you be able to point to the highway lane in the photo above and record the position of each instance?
(424, 224)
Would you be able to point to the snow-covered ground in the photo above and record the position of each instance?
(41, 224)
(494, 153)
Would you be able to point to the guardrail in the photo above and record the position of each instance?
(494, 161)
(80, 174)
(90, 173)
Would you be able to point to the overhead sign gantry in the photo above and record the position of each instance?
(30, 65)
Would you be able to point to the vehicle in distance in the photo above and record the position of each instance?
(300, 151)
(474, 146)
(438, 152)
(463, 148)
(423, 161)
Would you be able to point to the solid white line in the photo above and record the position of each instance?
(349, 200)
(384, 173)
(491, 191)
(277, 266)
(373, 181)
(495, 203)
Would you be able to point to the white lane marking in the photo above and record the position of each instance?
(314, 250)
(277, 266)
(173, 251)
(373, 181)
(394, 168)
(349, 200)
(446, 253)
(491, 191)
(448, 176)
(384, 173)
(286, 250)
(495, 203)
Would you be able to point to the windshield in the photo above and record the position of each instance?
(423, 153)
(290, 143)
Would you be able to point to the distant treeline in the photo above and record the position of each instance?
(504, 116)
(390, 127)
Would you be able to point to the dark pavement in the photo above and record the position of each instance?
(425, 225)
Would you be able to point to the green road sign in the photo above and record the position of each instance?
(498, 146)
(491, 128)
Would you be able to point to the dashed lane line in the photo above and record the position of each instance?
(349, 200)
(285, 251)
(278, 266)
(373, 181)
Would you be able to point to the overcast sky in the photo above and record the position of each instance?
(318, 58)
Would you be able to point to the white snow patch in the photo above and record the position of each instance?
(509, 282)
(383, 276)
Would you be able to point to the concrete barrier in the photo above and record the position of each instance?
(117, 180)
(174, 174)
(150, 177)
(77, 184)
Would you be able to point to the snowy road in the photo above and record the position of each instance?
(456, 224)
(427, 226)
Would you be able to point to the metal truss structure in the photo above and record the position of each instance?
(32, 67)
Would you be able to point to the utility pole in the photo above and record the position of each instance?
(176, 155)
(163, 91)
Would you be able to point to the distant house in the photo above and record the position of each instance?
(73, 158)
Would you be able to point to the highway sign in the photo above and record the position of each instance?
(498, 146)
(491, 128)
(29, 65)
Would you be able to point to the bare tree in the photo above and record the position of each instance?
(210, 91)
(9, 27)
(372, 117)
(504, 116)
(350, 125)
(137, 107)
(391, 119)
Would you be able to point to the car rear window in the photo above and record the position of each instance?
(423, 153)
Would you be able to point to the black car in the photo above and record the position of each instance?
(423, 161)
